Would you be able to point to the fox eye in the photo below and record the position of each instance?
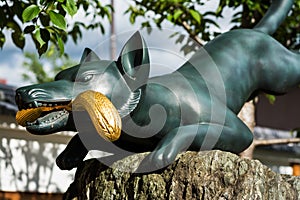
(85, 78)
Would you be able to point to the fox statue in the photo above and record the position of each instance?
(199, 110)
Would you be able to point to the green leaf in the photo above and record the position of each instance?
(271, 98)
(45, 35)
(196, 16)
(58, 20)
(169, 17)
(146, 24)
(2, 18)
(61, 46)
(85, 5)
(209, 13)
(60, 10)
(18, 39)
(18, 9)
(38, 38)
(43, 49)
(70, 7)
(29, 29)
(45, 19)
(132, 18)
(30, 13)
(212, 22)
(2, 39)
(177, 14)
(14, 26)
(76, 33)
(102, 28)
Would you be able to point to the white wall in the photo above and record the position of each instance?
(27, 162)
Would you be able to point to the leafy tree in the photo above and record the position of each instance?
(189, 15)
(45, 21)
(36, 64)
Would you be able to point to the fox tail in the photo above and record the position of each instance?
(275, 15)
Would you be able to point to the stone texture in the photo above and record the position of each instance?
(205, 175)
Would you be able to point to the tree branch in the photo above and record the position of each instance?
(194, 37)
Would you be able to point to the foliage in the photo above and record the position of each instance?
(45, 21)
(183, 13)
(253, 10)
(196, 20)
(36, 65)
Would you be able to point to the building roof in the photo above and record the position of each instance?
(7, 100)
(268, 133)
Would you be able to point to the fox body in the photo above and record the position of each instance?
(200, 100)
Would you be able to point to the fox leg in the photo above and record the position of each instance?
(233, 137)
(77, 150)
(73, 154)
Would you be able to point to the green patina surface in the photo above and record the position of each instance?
(200, 100)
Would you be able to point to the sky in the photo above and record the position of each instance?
(12, 58)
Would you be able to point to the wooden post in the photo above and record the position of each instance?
(295, 164)
(247, 115)
(113, 45)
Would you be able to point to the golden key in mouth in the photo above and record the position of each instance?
(102, 112)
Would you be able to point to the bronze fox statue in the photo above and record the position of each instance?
(200, 100)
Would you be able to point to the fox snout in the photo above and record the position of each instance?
(45, 94)
(28, 97)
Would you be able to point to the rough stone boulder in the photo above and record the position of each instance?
(204, 175)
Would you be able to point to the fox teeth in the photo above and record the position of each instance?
(40, 121)
(42, 104)
(32, 114)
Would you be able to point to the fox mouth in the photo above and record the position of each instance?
(44, 117)
(47, 118)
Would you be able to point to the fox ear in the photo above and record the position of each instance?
(89, 55)
(133, 61)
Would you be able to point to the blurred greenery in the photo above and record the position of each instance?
(45, 21)
(197, 21)
(35, 65)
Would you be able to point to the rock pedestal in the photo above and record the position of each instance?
(194, 175)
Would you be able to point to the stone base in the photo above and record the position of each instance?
(194, 175)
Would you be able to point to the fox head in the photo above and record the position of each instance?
(120, 81)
